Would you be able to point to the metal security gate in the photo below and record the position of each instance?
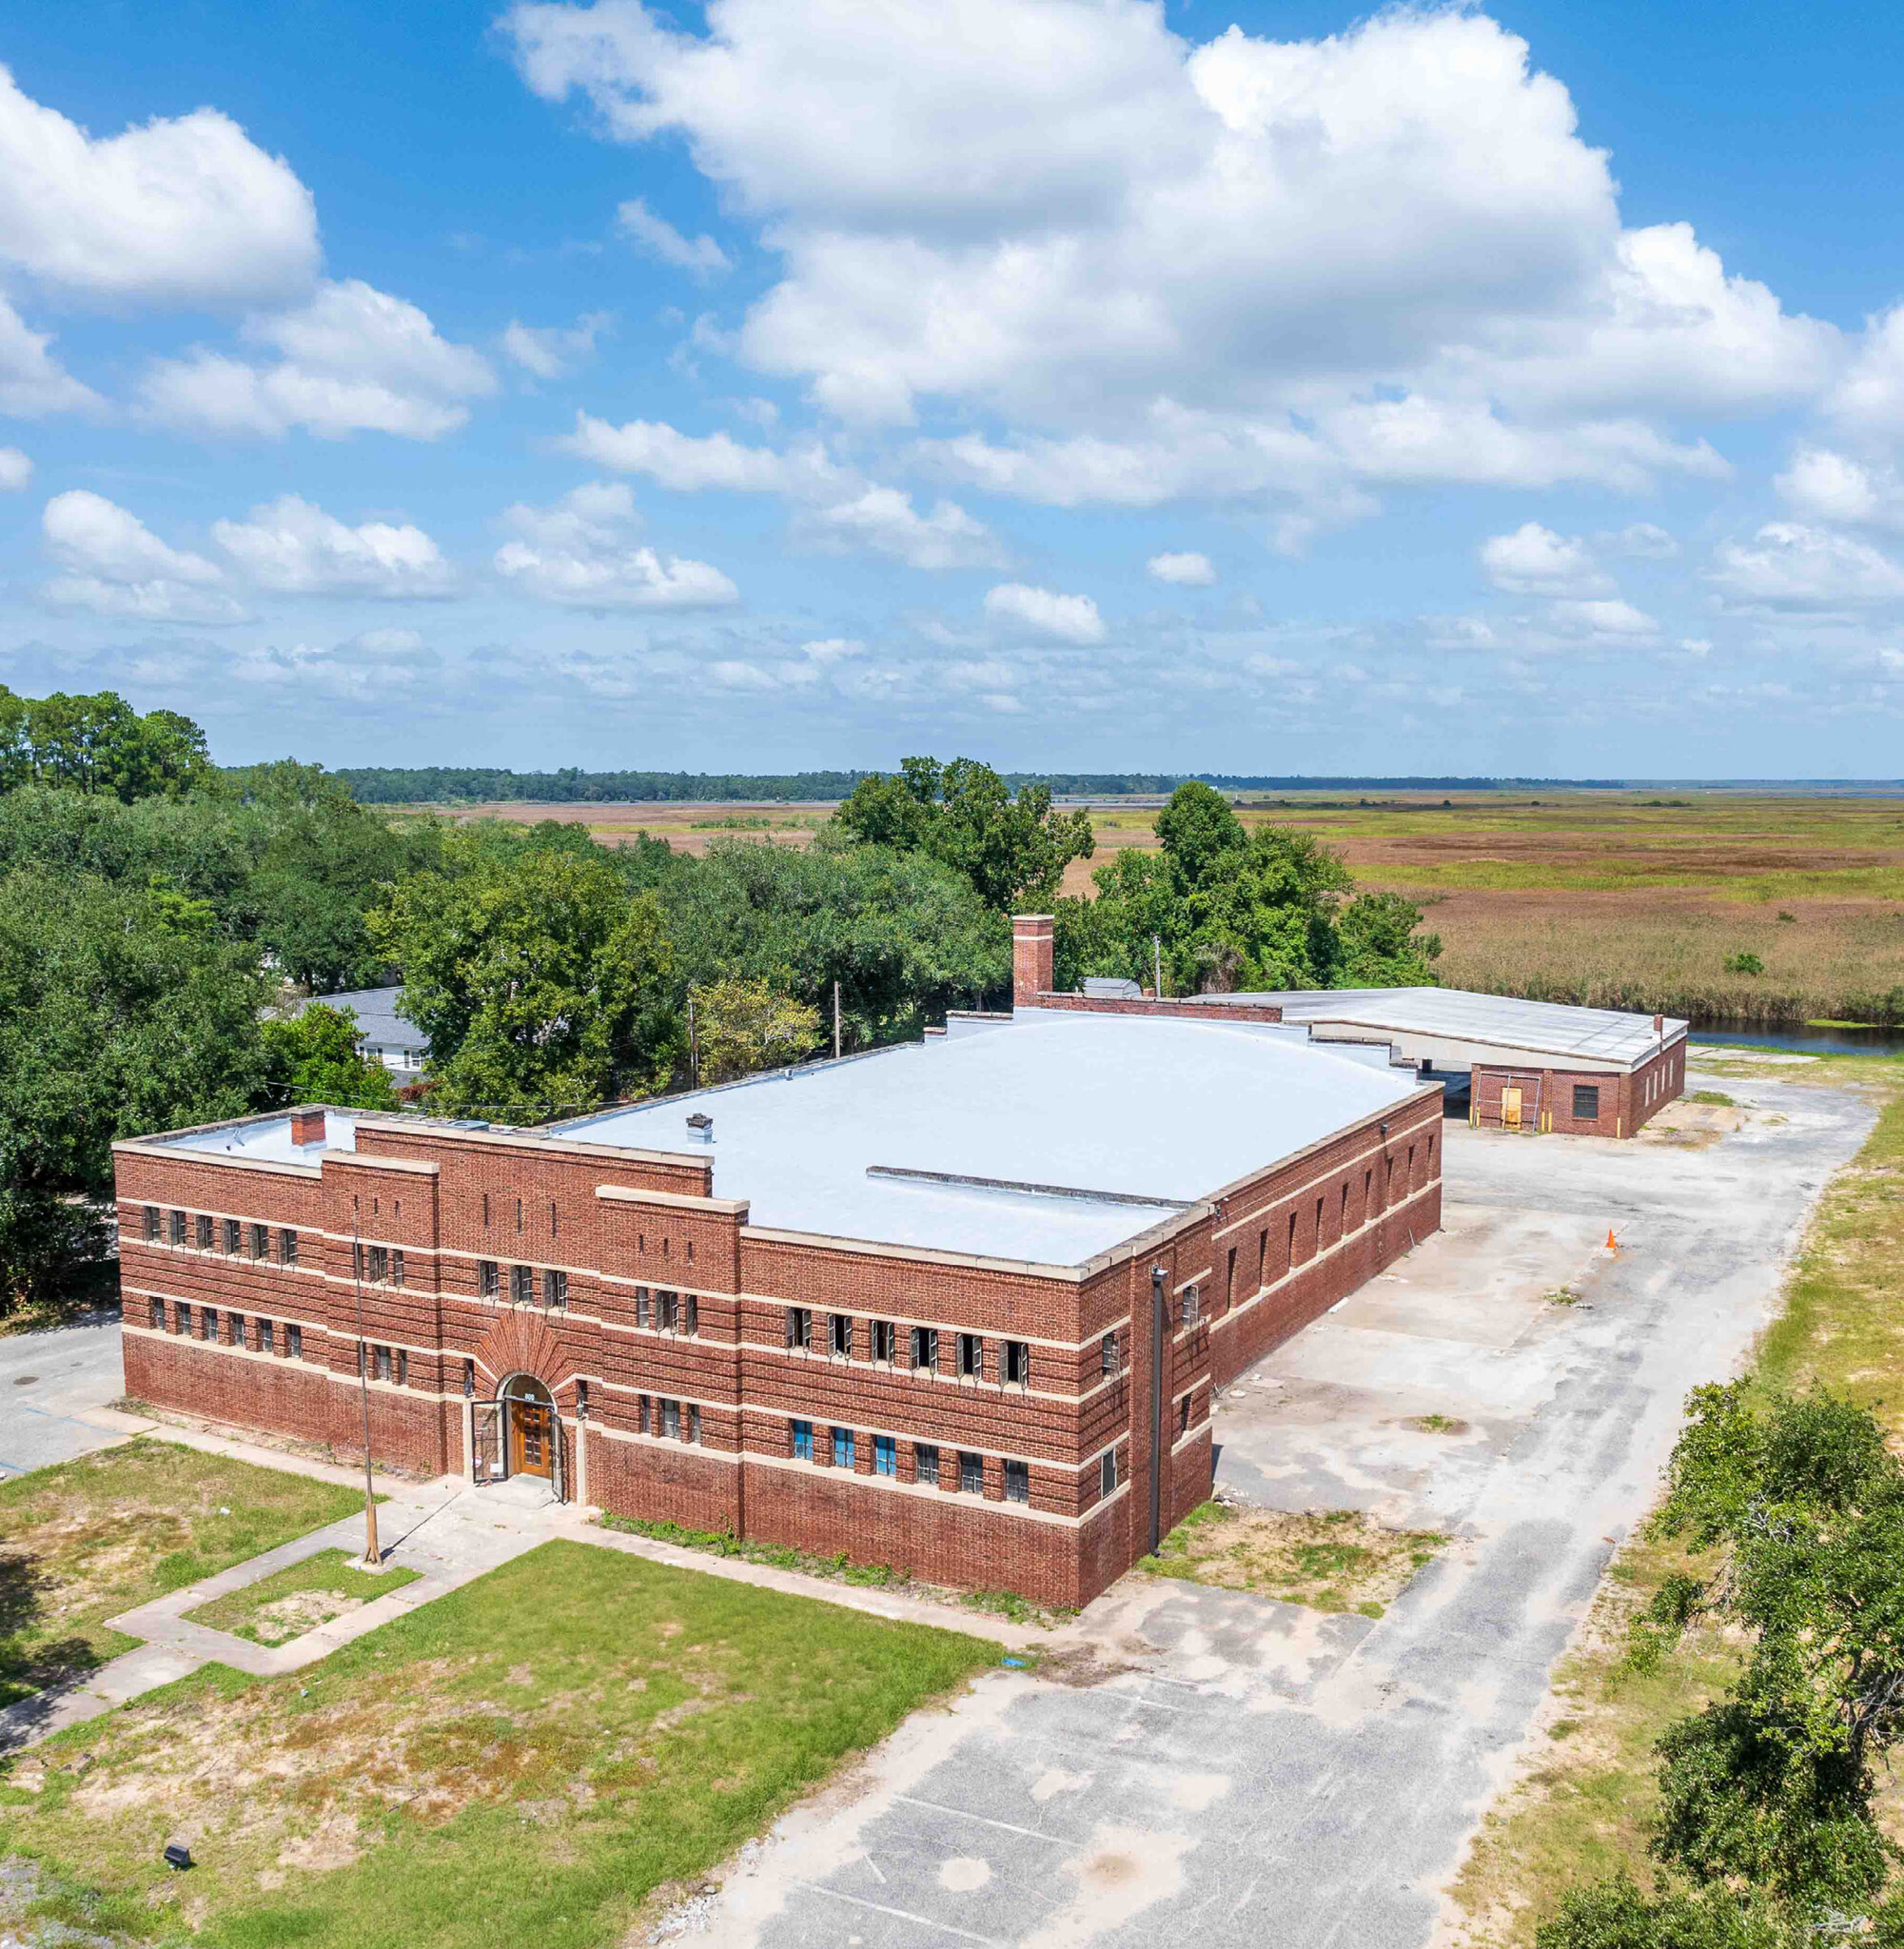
(486, 1457)
(494, 1440)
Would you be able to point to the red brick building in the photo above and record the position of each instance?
(957, 1306)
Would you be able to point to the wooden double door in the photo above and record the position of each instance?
(531, 1434)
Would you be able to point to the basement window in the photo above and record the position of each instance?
(487, 1279)
(1018, 1363)
(1586, 1102)
(970, 1357)
(840, 1335)
(926, 1348)
(926, 1463)
(799, 1327)
(842, 1448)
(1017, 1481)
(803, 1441)
(971, 1474)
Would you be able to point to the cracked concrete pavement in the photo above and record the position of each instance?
(1225, 1767)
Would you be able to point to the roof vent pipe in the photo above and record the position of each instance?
(701, 1121)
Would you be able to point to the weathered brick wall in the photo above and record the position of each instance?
(1625, 1102)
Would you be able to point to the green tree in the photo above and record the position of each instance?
(121, 1013)
(742, 1026)
(1797, 1506)
(541, 983)
(313, 1057)
(1013, 850)
(1378, 945)
(904, 937)
(98, 743)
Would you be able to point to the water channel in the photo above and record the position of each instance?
(1804, 1039)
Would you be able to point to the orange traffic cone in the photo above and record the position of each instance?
(1612, 1243)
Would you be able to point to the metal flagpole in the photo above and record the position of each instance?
(371, 1553)
(835, 1021)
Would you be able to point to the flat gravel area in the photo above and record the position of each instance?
(1222, 1769)
(46, 1381)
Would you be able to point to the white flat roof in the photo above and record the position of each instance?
(1608, 1035)
(1166, 1109)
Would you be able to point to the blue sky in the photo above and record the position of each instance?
(1070, 382)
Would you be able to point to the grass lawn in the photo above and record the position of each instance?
(86, 1540)
(296, 1600)
(1333, 1560)
(1585, 1808)
(526, 1760)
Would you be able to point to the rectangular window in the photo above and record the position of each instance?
(235, 1328)
(178, 1228)
(379, 1264)
(287, 1247)
(261, 1241)
(208, 1323)
(641, 1305)
(926, 1348)
(268, 1336)
(487, 1278)
(555, 1288)
(380, 1366)
(1107, 1354)
(159, 1314)
(182, 1322)
(403, 1368)
(1106, 1472)
(840, 1335)
(885, 1455)
(581, 1399)
(469, 1380)
(1318, 1244)
(1017, 1481)
(1229, 1277)
(1184, 1415)
(1194, 1304)
(803, 1441)
(642, 1417)
(694, 1423)
(842, 1448)
(691, 1314)
(396, 1267)
(294, 1343)
(1291, 1257)
(152, 1221)
(970, 1357)
(522, 1285)
(1586, 1102)
(1018, 1363)
(926, 1461)
(799, 1327)
(667, 1310)
(234, 1236)
(671, 1420)
(885, 1341)
(971, 1474)
(1262, 1260)
(202, 1232)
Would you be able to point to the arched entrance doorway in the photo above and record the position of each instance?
(529, 1418)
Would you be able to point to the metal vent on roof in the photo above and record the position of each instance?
(701, 1122)
(1111, 988)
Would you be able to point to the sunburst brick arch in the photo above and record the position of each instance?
(520, 1343)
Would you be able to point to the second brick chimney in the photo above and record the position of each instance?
(307, 1127)
(1031, 953)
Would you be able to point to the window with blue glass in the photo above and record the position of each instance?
(842, 1448)
(885, 1455)
(803, 1441)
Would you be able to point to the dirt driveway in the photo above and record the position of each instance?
(1215, 1767)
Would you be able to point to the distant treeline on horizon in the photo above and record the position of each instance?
(475, 784)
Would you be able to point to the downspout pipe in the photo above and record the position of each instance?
(1160, 1306)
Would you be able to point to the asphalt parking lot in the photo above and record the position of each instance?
(46, 1381)
(1227, 1769)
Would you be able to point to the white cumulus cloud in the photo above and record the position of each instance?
(551, 351)
(884, 521)
(354, 359)
(1535, 560)
(1830, 486)
(1793, 565)
(1188, 568)
(1060, 618)
(33, 381)
(581, 552)
(296, 548)
(691, 462)
(17, 470)
(659, 238)
(182, 212)
(114, 565)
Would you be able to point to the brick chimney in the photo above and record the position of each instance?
(307, 1127)
(1030, 958)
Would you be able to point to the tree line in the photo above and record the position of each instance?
(156, 912)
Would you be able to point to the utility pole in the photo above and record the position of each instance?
(1157, 967)
(835, 1021)
(694, 1052)
(372, 1555)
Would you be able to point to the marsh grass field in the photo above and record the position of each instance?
(1621, 900)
